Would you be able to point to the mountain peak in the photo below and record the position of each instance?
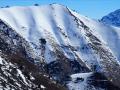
(112, 18)
(35, 5)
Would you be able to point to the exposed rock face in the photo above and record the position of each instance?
(24, 76)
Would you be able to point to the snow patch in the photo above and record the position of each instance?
(79, 84)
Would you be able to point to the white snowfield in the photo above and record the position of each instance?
(56, 24)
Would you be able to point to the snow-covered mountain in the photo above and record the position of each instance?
(17, 68)
(112, 18)
(61, 43)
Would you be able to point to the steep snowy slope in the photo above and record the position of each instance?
(109, 35)
(112, 18)
(17, 68)
(65, 41)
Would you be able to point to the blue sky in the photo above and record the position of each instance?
(91, 8)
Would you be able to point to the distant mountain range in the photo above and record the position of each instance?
(112, 18)
(51, 47)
